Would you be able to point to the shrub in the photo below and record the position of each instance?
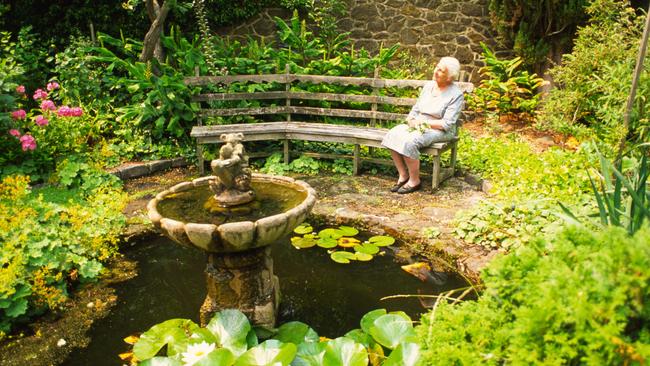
(51, 240)
(581, 297)
(594, 80)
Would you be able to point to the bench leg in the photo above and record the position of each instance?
(356, 162)
(286, 151)
(435, 174)
(199, 156)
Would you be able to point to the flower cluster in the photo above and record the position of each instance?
(47, 106)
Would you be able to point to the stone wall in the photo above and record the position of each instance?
(427, 28)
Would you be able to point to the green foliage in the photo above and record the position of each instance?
(76, 172)
(505, 88)
(229, 339)
(532, 27)
(623, 200)
(580, 297)
(52, 240)
(594, 80)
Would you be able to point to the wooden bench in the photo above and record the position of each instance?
(291, 103)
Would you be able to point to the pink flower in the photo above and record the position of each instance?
(63, 111)
(28, 142)
(53, 85)
(76, 112)
(48, 105)
(19, 114)
(40, 94)
(41, 121)
(14, 132)
(20, 89)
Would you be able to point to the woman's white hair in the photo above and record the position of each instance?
(452, 65)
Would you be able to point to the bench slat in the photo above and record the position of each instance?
(332, 97)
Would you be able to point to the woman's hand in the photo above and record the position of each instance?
(412, 122)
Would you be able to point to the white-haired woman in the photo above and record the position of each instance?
(432, 119)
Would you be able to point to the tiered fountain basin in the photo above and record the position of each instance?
(180, 212)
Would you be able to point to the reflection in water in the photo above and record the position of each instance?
(330, 297)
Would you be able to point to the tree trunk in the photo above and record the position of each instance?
(152, 47)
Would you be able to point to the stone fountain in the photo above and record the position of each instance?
(234, 216)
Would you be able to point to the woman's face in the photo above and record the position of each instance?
(441, 76)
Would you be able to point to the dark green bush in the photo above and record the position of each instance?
(581, 297)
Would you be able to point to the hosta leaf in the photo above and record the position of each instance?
(303, 229)
(348, 231)
(345, 352)
(382, 240)
(271, 353)
(342, 257)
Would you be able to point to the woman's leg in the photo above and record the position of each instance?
(413, 166)
(400, 164)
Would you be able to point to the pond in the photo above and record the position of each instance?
(328, 296)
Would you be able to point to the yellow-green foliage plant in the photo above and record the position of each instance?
(51, 241)
(580, 298)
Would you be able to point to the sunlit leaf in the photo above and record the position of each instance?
(382, 240)
(366, 248)
(270, 353)
(346, 242)
(303, 229)
(342, 257)
(391, 329)
(310, 354)
(231, 328)
(348, 231)
(345, 352)
(406, 354)
(161, 361)
(131, 339)
(170, 331)
(220, 356)
(304, 242)
(369, 318)
(327, 242)
(296, 332)
(363, 257)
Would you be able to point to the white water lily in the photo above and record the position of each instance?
(196, 352)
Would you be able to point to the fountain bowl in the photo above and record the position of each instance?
(238, 236)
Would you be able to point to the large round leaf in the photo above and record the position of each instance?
(310, 354)
(382, 240)
(327, 242)
(330, 233)
(367, 248)
(231, 328)
(161, 361)
(391, 329)
(406, 354)
(303, 242)
(369, 318)
(269, 353)
(167, 332)
(363, 257)
(342, 257)
(296, 333)
(348, 231)
(345, 352)
(220, 356)
(303, 229)
(360, 336)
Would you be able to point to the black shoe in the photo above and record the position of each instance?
(408, 189)
(397, 186)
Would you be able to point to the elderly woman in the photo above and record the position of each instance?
(432, 119)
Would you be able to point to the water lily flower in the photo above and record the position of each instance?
(48, 105)
(196, 352)
(52, 86)
(40, 94)
(41, 121)
(28, 142)
(20, 89)
(14, 132)
(19, 114)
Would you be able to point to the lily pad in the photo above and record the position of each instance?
(342, 257)
(348, 230)
(346, 242)
(330, 233)
(303, 242)
(363, 257)
(367, 248)
(303, 229)
(327, 243)
(382, 240)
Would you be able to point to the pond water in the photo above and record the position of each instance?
(330, 297)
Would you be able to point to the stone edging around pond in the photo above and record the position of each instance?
(141, 169)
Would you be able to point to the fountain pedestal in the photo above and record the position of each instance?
(243, 281)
